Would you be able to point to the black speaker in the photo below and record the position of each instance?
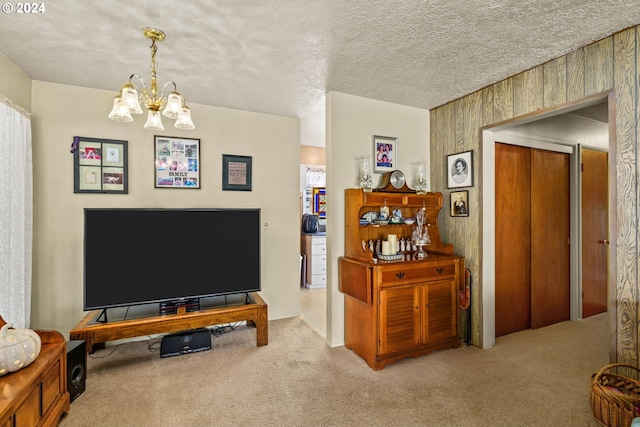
(76, 368)
(185, 342)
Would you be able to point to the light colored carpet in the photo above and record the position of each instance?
(531, 378)
(313, 306)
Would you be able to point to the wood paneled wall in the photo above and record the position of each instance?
(608, 64)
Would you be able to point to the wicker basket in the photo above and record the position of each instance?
(615, 398)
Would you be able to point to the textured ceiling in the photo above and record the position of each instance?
(281, 57)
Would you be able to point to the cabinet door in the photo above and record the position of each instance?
(440, 309)
(51, 385)
(28, 414)
(399, 327)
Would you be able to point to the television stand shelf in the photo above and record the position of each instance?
(142, 320)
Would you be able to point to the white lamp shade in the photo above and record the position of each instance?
(184, 120)
(120, 113)
(174, 106)
(129, 96)
(154, 121)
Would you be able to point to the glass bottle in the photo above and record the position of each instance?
(420, 183)
(365, 174)
(384, 211)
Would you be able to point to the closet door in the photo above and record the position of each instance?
(532, 238)
(550, 244)
(513, 239)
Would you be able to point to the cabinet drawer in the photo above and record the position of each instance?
(426, 272)
(320, 259)
(318, 249)
(319, 240)
(319, 268)
(319, 279)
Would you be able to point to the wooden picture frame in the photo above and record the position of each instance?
(385, 153)
(459, 203)
(236, 173)
(177, 162)
(100, 165)
(460, 169)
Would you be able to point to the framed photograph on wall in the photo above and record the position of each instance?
(236, 173)
(460, 203)
(460, 169)
(100, 166)
(385, 153)
(177, 162)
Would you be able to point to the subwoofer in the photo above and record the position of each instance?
(76, 368)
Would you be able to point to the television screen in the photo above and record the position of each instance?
(137, 256)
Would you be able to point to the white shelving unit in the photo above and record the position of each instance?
(314, 248)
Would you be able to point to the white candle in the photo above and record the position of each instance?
(386, 248)
(393, 244)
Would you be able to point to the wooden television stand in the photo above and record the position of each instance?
(128, 322)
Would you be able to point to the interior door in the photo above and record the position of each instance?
(513, 239)
(550, 238)
(595, 242)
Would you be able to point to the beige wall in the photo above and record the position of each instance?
(312, 155)
(61, 112)
(351, 123)
(14, 84)
(609, 64)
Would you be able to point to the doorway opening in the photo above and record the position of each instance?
(313, 256)
(557, 129)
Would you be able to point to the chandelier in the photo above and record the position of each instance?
(130, 97)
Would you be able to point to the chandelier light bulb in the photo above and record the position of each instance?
(174, 106)
(120, 113)
(129, 96)
(184, 119)
(154, 121)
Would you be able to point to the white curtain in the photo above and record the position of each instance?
(16, 214)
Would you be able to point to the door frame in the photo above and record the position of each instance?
(503, 132)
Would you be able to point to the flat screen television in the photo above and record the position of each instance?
(139, 256)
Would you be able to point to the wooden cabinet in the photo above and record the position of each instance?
(416, 315)
(314, 247)
(403, 308)
(37, 395)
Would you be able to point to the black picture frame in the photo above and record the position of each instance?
(177, 162)
(460, 170)
(100, 165)
(236, 172)
(459, 203)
